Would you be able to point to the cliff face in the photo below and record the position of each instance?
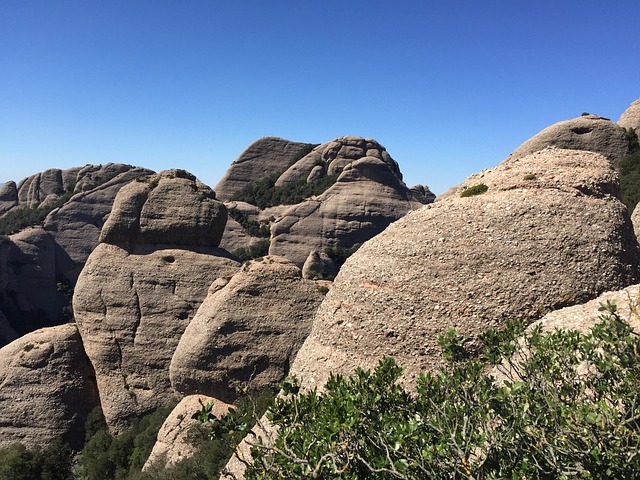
(548, 232)
(143, 284)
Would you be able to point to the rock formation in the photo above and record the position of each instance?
(8, 197)
(365, 199)
(142, 285)
(247, 331)
(261, 158)
(47, 388)
(549, 232)
(38, 259)
(172, 444)
(631, 117)
(587, 132)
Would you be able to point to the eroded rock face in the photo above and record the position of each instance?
(172, 445)
(631, 117)
(29, 297)
(8, 197)
(588, 132)
(47, 388)
(247, 331)
(132, 306)
(547, 233)
(366, 198)
(75, 227)
(143, 284)
(263, 157)
(169, 208)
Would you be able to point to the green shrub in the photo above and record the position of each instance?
(253, 228)
(475, 190)
(629, 169)
(570, 408)
(105, 457)
(253, 251)
(52, 462)
(530, 176)
(339, 255)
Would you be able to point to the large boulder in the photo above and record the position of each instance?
(263, 157)
(8, 197)
(173, 443)
(132, 306)
(587, 132)
(631, 117)
(247, 331)
(169, 208)
(367, 196)
(143, 284)
(47, 388)
(549, 232)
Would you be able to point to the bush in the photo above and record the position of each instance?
(569, 408)
(105, 457)
(629, 168)
(253, 228)
(52, 462)
(339, 255)
(255, 250)
(475, 190)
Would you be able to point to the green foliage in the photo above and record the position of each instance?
(530, 176)
(569, 407)
(52, 462)
(17, 219)
(339, 255)
(66, 290)
(629, 168)
(264, 193)
(632, 137)
(255, 250)
(252, 227)
(105, 457)
(475, 190)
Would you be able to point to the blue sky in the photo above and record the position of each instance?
(449, 88)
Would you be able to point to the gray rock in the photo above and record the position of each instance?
(47, 388)
(172, 444)
(529, 245)
(316, 174)
(29, 297)
(75, 227)
(631, 117)
(365, 199)
(8, 197)
(319, 265)
(247, 332)
(169, 208)
(588, 132)
(263, 157)
(131, 307)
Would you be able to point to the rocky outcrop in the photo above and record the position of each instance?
(631, 117)
(29, 297)
(247, 331)
(169, 208)
(367, 196)
(319, 265)
(75, 226)
(47, 388)
(8, 197)
(263, 157)
(172, 444)
(548, 233)
(134, 300)
(587, 132)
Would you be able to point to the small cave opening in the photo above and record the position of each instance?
(581, 130)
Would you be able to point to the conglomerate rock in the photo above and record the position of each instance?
(549, 232)
(631, 117)
(246, 332)
(47, 388)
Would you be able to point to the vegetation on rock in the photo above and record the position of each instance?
(252, 227)
(629, 168)
(475, 190)
(255, 250)
(567, 407)
(53, 462)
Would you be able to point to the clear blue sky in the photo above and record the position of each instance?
(449, 88)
